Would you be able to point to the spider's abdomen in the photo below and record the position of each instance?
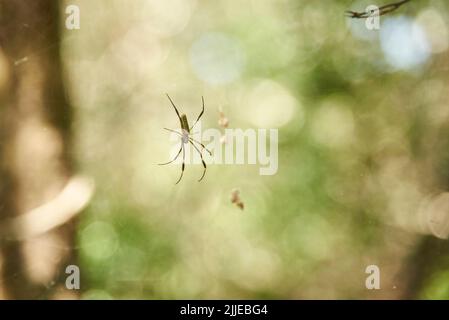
(184, 123)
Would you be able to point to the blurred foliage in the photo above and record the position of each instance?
(362, 145)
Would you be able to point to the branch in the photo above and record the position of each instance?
(382, 10)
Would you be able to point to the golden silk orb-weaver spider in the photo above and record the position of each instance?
(186, 138)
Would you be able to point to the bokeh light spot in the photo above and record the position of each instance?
(270, 105)
(404, 43)
(99, 240)
(217, 58)
(435, 28)
(166, 18)
(333, 125)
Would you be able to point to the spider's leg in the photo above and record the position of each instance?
(202, 160)
(202, 145)
(171, 130)
(171, 101)
(177, 155)
(201, 113)
(183, 163)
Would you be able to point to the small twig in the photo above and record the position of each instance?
(382, 10)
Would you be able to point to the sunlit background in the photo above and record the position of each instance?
(363, 120)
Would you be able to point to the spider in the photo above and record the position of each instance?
(186, 138)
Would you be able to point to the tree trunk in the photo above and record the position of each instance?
(35, 164)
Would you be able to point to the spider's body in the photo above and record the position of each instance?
(186, 138)
(185, 128)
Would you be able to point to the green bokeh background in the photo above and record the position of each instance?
(363, 146)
